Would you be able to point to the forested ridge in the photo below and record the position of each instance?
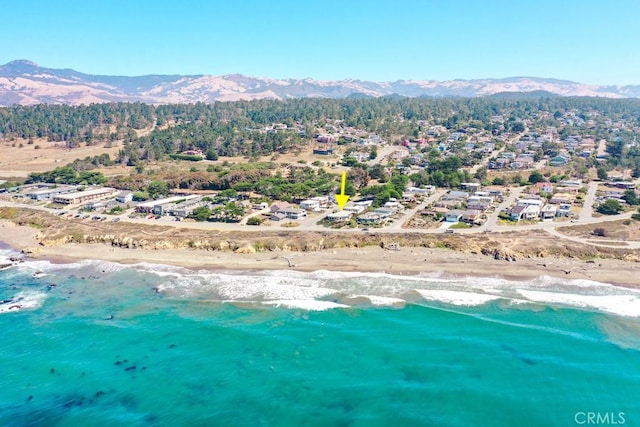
(236, 128)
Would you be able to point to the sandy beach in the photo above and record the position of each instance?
(402, 261)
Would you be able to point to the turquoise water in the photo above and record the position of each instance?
(96, 344)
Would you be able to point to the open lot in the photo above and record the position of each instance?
(18, 162)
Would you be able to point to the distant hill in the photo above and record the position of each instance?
(522, 95)
(24, 82)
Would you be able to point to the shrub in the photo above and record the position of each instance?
(601, 232)
(254, 220)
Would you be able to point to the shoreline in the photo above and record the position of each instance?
(370, 259)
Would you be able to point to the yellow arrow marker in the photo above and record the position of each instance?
(342, 198)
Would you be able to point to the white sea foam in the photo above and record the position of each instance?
(311, 305)
(380, 289)
(457, 297)
(621, 304)
(26, 300)
(243, 288)
(379, 301)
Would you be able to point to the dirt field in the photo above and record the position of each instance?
(18, 162)
(628, 230)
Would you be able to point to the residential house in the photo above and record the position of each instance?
(278, 206)
(562, 198)
(454, 215)
(471, 216)
(354, 209)
(429, 189)
(370, 218)
(456, 195)
(384, 212)
(470, 186)
(516, 212)
(310, 205)
(525, 212)
(564, 210)
(291, 213)
(339, 217)
(559, 160)
(545, 187)
(393, 205)
(548, 211)
(448, 204)
(530, 201)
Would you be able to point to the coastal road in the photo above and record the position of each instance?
(309, 224)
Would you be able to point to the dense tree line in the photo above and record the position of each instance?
(235, 128)
(73, 123)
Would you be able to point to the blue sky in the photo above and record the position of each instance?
(589, 41)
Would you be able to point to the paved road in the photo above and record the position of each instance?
(587, 207)
(492, 221)
(382, 154)
(408, 214)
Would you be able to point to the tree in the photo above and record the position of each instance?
(201, 213)
(602, 173)
(157, 188)
(140, 196)
(498, 180)
(481, 173)
(373, 153)
(536, 177)
(232, 212)
(212, 154)
(610, 207)
(631, 197)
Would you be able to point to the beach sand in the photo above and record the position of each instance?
(403, 261)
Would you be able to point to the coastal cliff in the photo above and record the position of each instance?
(508, 246)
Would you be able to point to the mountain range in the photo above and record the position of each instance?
(24, 82)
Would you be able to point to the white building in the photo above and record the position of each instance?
(150, 206)
(85, 196)
(310, 205)
(294, 214)
(124, 197)
(340, 216)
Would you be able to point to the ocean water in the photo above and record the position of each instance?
(102, 344)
